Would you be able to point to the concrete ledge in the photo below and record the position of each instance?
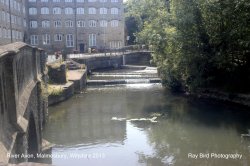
(121, 81)
(114, 61)
(105, 82)
(79, 77)
(133, 67)
(68, 91)
(155, 80)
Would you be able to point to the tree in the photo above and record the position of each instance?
(196, 43)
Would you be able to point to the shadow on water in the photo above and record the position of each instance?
(199, 112)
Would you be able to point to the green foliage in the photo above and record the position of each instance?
(197, 43)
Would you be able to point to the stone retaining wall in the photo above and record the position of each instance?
(67, 92)
(115, 61)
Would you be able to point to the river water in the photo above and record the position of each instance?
(143, 124)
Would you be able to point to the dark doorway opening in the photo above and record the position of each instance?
(81, 48)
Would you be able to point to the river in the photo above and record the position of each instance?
(144, 124)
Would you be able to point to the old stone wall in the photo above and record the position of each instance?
(23, 105)
(57, 73)
(67, 92)
(111, 61)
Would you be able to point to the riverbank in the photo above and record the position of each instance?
(76, 82)
(242, 100)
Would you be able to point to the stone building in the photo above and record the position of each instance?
(69, 25)
(13, 21)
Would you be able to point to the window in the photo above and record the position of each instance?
(68, 23)
(92, 23)
(69, 10)
(80, 1)
(115, 44)
(32, 11)
(103, 10)
(7, 17)
(46, 39)
(9, 36)
(80, 11)
(68, 0)
(92, 10)
(56, 0)
(103, 1)
(69, 40)
(44, 0)
(114, 1)
(32, 0)
(92, 40)
(57, 23)
(34, 40)
(91, 0)
(33, 24)
(56, 10)
(24, 10)
(4, 33)
(24, 23)
(45, 24)
(44, 10)
(103, 23)
(3, 16)
(114, 10)
(80, 23)
(114, 23)
(58, 37)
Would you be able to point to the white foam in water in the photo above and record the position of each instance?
(153, 120)
(141, 86)
(136, 81)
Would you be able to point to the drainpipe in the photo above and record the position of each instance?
(76, 27)
(11, 37)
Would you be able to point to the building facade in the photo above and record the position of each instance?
(13, 21)
(69, 25)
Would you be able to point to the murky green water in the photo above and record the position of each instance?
(95, 129)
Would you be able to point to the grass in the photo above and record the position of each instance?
(55, 90)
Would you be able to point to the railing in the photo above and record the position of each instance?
(111, 52)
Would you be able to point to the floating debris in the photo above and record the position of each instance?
(152, 120)
(118, 119)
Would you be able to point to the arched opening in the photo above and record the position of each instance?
(32, 138)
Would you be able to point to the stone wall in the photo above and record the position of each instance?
(22, 104)
(138, 58)
(75, 85)
(100, 62)
(115, 61)
(80, 84)
(67, 92)
(57, 73)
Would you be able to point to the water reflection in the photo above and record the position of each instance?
(83, 125)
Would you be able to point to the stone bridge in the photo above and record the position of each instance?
(23, 103)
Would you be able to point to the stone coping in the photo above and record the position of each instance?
(14, 48)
